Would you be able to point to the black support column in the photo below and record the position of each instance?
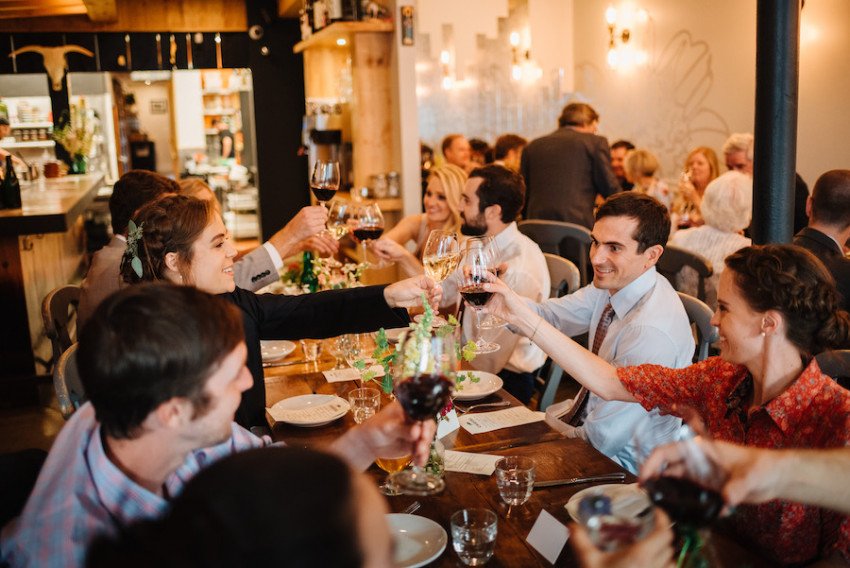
(777, 75)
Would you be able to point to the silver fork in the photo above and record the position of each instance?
(412, 508)
(485, 405)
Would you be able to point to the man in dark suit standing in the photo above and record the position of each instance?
(828, 209)
(564, 171)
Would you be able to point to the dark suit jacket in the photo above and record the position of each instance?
(563, 173)
(832, 256)
(319, 315)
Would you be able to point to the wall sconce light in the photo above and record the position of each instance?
(621, 24)
(447, 72)
(522, 66)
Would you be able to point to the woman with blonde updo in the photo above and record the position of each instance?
(641, 168)
(442, 212)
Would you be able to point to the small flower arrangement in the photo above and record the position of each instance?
(334, 275)
(76, 131)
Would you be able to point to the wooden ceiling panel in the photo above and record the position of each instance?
(40, 8)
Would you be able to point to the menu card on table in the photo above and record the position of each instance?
(350, 374)
(465, 462)
(488, 421)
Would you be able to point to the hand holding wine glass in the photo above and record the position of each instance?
(441, 254)
(368, 223)
(325, 180)
(424, 380)
(473, 275)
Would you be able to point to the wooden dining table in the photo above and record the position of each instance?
(555, 456)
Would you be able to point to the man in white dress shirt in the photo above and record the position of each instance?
(648, 325)
(491, 200)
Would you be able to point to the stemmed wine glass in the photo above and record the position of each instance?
(489, 243)
(690, 501)
(325, 181)
(424, 373)
(338, 214)
(441, 255)
(477, 261)
(368, 224)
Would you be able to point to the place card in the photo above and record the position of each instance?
(465, 462)
(548, 536)
(488, 421)
(350, 374)
(447, 424)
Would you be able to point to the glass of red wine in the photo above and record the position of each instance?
(368, 222)
(423, 376)
(495, 253)
(686, 490)
(325, 180)
(475, 264)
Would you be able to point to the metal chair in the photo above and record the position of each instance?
(565, 279)
(564, 276)
(67, 384)
(674, 259)
(699, 315)
(836, 364)
(58, 311)
(568, 240)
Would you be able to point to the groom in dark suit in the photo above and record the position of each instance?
(828, 209)
(564, 171)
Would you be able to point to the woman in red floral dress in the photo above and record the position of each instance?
(777, 307)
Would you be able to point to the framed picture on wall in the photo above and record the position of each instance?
(159, 107)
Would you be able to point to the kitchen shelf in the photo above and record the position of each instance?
(32, 144)
(327, 36)
(31, 125)
(220, 111)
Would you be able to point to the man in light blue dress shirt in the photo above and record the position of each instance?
(649, 323)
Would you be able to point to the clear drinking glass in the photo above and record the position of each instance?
(495, 254)
(515, 479)
(325, 180)
(364, 402)
(423, 383)
(312, 349)
(474, 535)
(391, 466)
(476, 262)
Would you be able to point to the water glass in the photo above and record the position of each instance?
(515, 478)
(364, 403)
(312, 349)
(474, 535)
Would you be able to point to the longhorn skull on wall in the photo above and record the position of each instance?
(54, 59)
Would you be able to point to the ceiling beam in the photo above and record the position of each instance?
(9, 5)
(101, 10)
(40, 12)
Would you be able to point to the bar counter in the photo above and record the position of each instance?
(42, 246)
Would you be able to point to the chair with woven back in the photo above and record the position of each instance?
(674, 259)
(568, 240)
(565, 279)
(58, 312)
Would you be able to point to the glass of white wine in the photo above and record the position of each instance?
(338, 216)
(391, 466)
(441, 254)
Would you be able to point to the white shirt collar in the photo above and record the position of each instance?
(626, 298)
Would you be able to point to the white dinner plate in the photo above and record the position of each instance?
(626, 500)
(394, 334)
(418, 540)
(310, 409)
(438, 321)
(275, 350)
(487, 384)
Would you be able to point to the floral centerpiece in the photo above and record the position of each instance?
(76, 133)
(331, 274)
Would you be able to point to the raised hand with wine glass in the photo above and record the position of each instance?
(475, 271)
(325, 180)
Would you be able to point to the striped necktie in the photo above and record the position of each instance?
(573, 417)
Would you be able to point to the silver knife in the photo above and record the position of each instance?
(284, 364)
(618, 477)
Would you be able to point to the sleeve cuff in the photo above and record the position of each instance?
(275, 256)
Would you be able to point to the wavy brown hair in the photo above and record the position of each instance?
(792, 281)
(170, 224)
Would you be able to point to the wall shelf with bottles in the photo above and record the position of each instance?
(31, 144)
(43, 124)
(328, 36)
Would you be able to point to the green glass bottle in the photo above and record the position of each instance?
(308, 277)
(11, 188)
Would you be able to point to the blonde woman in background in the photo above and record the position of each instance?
(727, 208)
(701, 168)
(442, 211)
(641, 167)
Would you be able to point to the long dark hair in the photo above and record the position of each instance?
(793, 281)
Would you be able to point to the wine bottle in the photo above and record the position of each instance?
(334, 10)
(308, 277)
(11, 187)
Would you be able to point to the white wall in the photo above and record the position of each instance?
(188, 111)
(157, 126)
(699, 83)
